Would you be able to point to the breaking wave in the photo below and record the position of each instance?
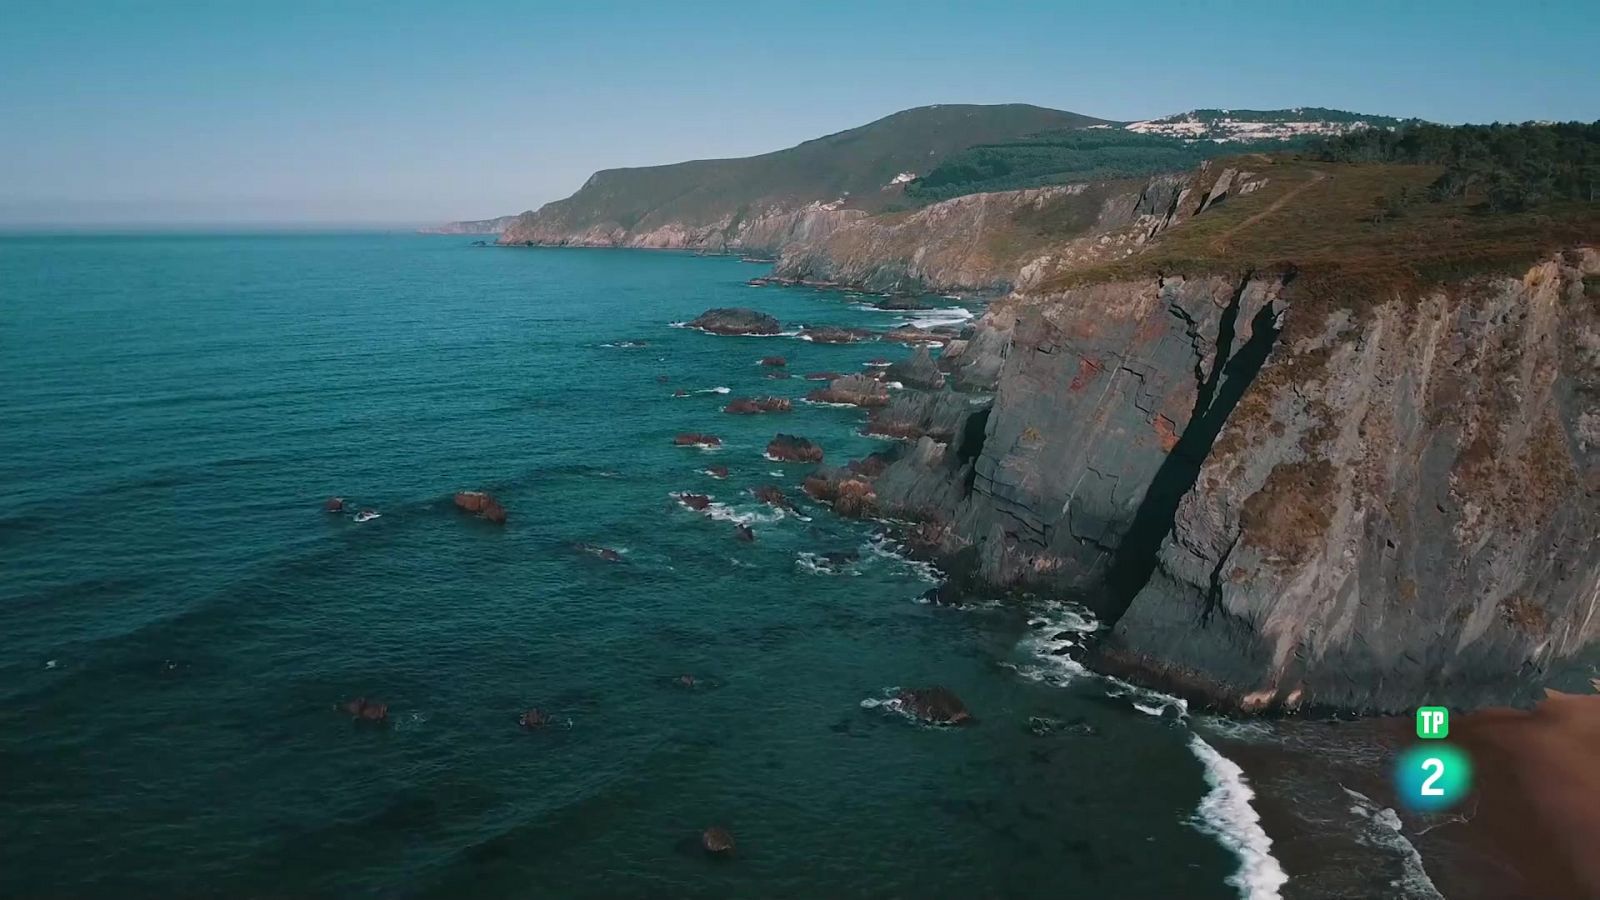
(1225, 813)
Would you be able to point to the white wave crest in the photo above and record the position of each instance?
(885, 547)
(1225, 813)
(719, 389)
(1383, 830)
(950, 315)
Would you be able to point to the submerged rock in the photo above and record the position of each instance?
(934, 705)
(696, 439)
(534, 718)
(823, 376)
(717, 841)
(776, 362)
(481, 504)
(366, 710)
(752, 405)
(744, 533)
(605, 553)
(334, 505)
(718, 472)
(680, 392)
(735, 320)
(792, 448)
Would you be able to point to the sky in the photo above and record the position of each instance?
(398, 113)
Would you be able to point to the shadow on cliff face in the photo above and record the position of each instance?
(1230, 376)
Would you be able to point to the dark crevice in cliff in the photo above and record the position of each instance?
(970, 444)
(1219, 393)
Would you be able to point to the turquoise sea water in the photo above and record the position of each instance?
(178, 616)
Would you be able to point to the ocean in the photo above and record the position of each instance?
(179, 617)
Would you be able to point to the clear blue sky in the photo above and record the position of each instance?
(397, 112)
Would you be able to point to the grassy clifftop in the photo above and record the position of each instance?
(859, 163)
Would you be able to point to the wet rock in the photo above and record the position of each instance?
(534, 718)
(772, 495)
(918, 371)
(744, 533)
(823, 376)
(735, 320)
(792, 448)
(899, 303)
(481, 504)
(934, 705)
(717, 841)
(696, 439)
(776, 362)
(831, 334)
(334, 505)
(854, 390)
(605, 553)
(680, 392)
(366, 710)
(718, 472)
(745, 406)
(910, 334)
(694, 501)
(851, 495)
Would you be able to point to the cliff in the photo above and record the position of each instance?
(707, 204)
(1293, 453)
(481, 226)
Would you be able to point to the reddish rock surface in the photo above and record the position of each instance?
(774, 361)
(792, 448)
(772, 495)
(934, 705)
(481, 504)
(745, 406)
(334, 505)
(850, 494)
(696, 439)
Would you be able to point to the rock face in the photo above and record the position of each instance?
(1406, 503)
(920, 371)
(481, 504)
(791, 448)
(735, 320)
(934, 705)
(1281, 497)
(853, 390)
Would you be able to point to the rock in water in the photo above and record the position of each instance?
(752, 405)
(772, 495)
(855, 390)
(735, 320)
(334, 505)
(366, 710)
(790, 448)
(694, 501)
(744, 533)
(776, 362)
(696, 439)
(717, 841)
(934, 705)
(920, 371)
(718, 472)
(832, 334)
(481, 504)
(534, 718)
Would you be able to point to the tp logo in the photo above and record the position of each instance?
(1434, 776)
(1433, 723)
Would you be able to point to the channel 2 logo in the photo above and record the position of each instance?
(1433, 776)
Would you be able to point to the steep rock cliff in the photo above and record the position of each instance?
(1406, 504)
(1283, 496)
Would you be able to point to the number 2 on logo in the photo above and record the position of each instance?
(1435, 765)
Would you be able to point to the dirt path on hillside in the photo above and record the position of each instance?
(1219, 243)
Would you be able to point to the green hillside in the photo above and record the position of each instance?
(859, 163)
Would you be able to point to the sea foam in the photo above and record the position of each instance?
(1225, 813)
